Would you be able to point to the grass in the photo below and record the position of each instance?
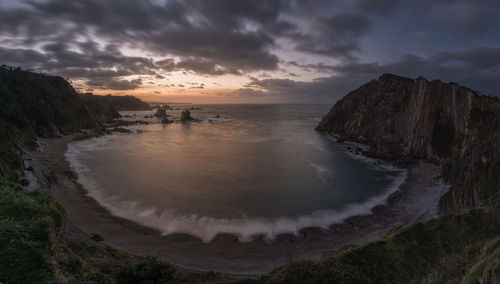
(29, 223)
(34, 249)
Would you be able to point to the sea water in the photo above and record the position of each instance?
(248, 170)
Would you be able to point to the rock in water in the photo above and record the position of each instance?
(166, 120)
(186, 115)
(160, 113)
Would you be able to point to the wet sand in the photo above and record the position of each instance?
(416, 199)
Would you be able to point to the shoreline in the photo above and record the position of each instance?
(416, 199)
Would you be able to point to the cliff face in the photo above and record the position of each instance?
(442, 122)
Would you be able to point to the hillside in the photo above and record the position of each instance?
(119, 103)
(44, 105)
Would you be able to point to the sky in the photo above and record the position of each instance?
(251, 51)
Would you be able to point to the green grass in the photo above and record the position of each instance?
(34, 249)
(29, 223)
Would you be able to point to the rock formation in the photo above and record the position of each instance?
(165, 120)
(186, 115)
(160, 113)
(402, 118)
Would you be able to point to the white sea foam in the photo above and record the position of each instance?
(207, 228)
(358, 156)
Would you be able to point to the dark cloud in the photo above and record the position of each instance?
(97, 41)
(114, 84)
(207, 37)
(89, 63)
(216, 32)
(203, 66)
(374, 6)
(479, 57)
(469, 67)
(26, 58)
(245, 93)
(466, 19)
(335, 36)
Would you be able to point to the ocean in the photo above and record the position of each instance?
(248, 170)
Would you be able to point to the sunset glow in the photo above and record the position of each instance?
(249, 51)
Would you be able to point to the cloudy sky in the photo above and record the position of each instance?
(251, 51)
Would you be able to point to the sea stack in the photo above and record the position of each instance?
(186, 115)
(160, 113)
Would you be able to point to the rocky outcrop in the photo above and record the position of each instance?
(166, 121)
(186, 115)
(402, 118)
(160, 113)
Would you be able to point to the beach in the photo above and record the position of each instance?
(416, 199)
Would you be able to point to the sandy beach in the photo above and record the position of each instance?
(416, 199)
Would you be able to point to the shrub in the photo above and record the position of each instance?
(149, 271)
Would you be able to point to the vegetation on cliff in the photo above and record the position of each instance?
(38, 104)
(119, 103)
(463, 248)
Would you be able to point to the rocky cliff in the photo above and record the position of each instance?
(402, 118)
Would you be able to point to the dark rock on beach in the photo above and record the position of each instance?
(166, 120)
(121, 130)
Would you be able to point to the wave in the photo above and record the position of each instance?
(207, 228)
